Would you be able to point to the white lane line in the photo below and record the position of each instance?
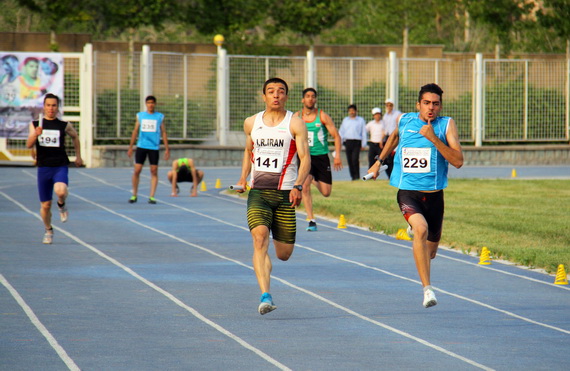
(488, 306)
(439, 255)
(285, 282)
(452, 258)
(160, 290)
(39, 325)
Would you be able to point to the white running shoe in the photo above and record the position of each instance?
(63, 214)
(429, 298)
(410, 231)
(48, 237)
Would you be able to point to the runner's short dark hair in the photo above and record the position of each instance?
(276, 80)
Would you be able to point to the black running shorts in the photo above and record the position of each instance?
(430, 205)
(142, 153)
(321, 168)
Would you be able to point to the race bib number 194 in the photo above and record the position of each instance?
(49, 138)
(416, 160)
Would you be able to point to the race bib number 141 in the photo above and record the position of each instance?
(269, 160)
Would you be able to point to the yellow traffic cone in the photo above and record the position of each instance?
(218, 183)
(403, 235)
(514, 173)
(341, 222)
(485, 258)
(204, 188)
(561, 278)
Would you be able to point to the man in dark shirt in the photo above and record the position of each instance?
(48, 136)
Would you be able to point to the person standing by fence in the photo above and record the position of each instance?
(377, 133)
(149, 127)
(353, 134)
(390, 124)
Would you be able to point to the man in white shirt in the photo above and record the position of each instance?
(390, 123)
(377, 133)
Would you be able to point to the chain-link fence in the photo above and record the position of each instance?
(246, 77)
(525, 100)
(457, 81)
(117, 94)
(344, 81)
(521, 100)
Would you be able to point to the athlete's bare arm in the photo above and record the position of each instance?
(248, 151)
(329, 124)
(133, 138)
(452, 151)
(70, 130)
(165, 140)
(299, 132)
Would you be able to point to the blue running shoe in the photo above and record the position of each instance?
(312, 227)
(266, 304)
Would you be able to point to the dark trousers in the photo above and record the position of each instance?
(390, 162)
(353, 157)
(373, 151)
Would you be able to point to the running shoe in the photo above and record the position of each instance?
(133, 199)
(63, 214)
(429, 298)
(152, 200)
(266, 304)
(410, 231)
(48, 237)
(312, 227)
(177, 189)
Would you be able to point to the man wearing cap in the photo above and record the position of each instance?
(376, 133)
(390, 123)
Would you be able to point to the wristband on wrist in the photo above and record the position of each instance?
(379, 160)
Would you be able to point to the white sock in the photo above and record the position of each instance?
(428, 287)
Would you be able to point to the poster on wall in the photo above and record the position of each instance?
(25, 78)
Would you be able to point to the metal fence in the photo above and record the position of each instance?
(526, 100)
(457, 81)
(523, 100)
(246, 77)
(492, 101)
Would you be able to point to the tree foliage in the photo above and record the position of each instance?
(556, 16)
(308, 17)
(505, 17)
(261, 25)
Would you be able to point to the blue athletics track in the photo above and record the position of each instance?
(171, 287)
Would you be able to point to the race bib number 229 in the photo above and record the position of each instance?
(416, 160)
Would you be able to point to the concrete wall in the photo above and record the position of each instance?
(116, 155)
